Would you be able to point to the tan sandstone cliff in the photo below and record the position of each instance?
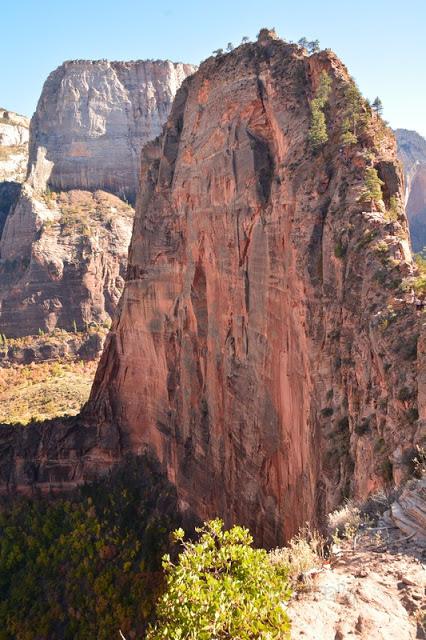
(63, 251)
(412, 151)
(266, 342)
(93, 118)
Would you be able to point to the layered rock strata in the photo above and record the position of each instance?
(258, 347)
(266, 343)
(412, 150)
(93, 118)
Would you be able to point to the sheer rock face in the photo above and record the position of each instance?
(93, 118)
(14, 132)
(263, 348)
(412, 151)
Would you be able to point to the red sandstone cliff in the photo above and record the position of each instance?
(258, 347)
(266, 344)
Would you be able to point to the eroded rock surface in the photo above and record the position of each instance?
(14, 133)
(93, 118)
(63, 261)
(265, 347)
(412, 150)
(258, 347)
(13, 159)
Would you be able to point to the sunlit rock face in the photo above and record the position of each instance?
(93, 118)
(263, 348)
(63, 251)
(412, 151)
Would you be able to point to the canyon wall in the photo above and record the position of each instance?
(412, 150)
(63, 251)
(265, 347)
(14, 132)
(93, 118)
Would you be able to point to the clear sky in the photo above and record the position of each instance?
(381, 41)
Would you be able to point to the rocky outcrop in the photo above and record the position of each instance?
(63, 261)
(258, 347)
(412, 150)
(93, 118)
(408, 512)
(265, 347)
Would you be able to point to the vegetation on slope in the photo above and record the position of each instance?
(87, 565)
(45, 390)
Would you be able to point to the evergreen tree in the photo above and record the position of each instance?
(303, 42)
(313, 46)
(355, 114)
(372, 187)
(377, 106)
(318, 130)
(229, 46)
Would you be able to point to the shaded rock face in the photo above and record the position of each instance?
(265, 348)
(258, 344)
(412, 151)
(93, 118)
(63, 261)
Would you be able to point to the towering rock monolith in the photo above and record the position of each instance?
(265, 346)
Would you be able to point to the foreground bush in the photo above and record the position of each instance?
(222, 588)
(87, 565)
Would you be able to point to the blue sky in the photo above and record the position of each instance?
(381, 41)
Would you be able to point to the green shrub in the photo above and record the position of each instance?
(222, 588)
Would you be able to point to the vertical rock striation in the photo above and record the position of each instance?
(265, 348)
(266, 342)
(93, 118)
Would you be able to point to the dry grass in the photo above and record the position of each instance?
(44, 390)
(303, 555)
(345, 521)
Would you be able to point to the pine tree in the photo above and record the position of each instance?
(318, 130)
(377, 106)
(372, 187)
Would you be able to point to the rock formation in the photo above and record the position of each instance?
(13, 159)
(93, 118)
(13, 146)
(266, 342)
(412, 150)
(63, 255)
(258, 346)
